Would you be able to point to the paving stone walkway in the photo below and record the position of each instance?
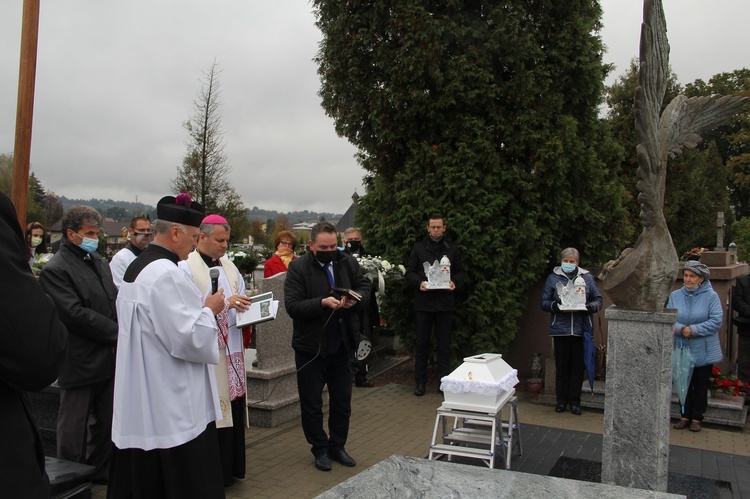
(390, 420)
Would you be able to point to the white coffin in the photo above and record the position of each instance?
(483, 383)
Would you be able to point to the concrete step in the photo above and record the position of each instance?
(722, 410)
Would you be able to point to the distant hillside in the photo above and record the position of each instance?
(294, 216)
(125, 210)
(121, 211)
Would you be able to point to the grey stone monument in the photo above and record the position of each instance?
(635, 448)
(635, 451)
(720, 227)
(272, 396)
(400, 476)
(643, 275)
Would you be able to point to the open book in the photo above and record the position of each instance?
(262, 308)
(349, 292)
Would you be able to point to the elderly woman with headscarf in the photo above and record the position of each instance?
(699, 317)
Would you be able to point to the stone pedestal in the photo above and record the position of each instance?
(272, 385)
(719, 258)
(635, 450)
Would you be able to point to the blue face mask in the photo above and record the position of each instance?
(89, 245)
(567, 267)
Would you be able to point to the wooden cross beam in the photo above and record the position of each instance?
(25, 108)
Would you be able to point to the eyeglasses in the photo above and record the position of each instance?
(142, 233)
(286, 243)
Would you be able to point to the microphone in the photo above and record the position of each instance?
(214, 273)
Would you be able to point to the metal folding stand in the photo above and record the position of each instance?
(478, 434)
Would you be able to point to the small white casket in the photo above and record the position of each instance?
(482, 383)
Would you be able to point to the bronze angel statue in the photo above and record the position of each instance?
(642, 277)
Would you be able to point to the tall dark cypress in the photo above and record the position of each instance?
(486, 112)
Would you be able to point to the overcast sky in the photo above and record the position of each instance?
(116, 80)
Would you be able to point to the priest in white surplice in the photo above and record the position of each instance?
(166, 404)
(231, 379)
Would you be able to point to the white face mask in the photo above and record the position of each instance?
(36, 241)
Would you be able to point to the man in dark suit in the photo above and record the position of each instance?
(32, 349)
(370, 318)
(78, 279)
(433, 307)
(326, 333)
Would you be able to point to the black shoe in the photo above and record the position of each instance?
(575, 410)
(363, 383)
(419, 390)
(322, 462)
(560, 408)
(342, 457)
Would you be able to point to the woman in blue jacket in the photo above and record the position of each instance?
(699, 317)
(566, 328)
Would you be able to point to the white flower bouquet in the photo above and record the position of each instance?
(40, 261)
(379, 270)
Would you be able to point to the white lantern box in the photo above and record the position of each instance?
(482, 383)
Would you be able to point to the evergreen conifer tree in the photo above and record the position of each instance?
(486, 112)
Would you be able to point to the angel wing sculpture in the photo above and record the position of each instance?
(643, 276)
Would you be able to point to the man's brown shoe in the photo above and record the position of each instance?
(682, 424)
(695, 426)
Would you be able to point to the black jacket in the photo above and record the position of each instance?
(370, 319)
(427, 250)
(306, 285)
(32, 349)
(741, 304)
(82, 288)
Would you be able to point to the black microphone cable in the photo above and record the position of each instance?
(302, 366)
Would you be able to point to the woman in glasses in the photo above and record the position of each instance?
(286, 243)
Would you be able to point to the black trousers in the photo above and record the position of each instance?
(568, 369)
(696, 400)
(84, 425)
(232, 444)
(443, 324)
(313, 373)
